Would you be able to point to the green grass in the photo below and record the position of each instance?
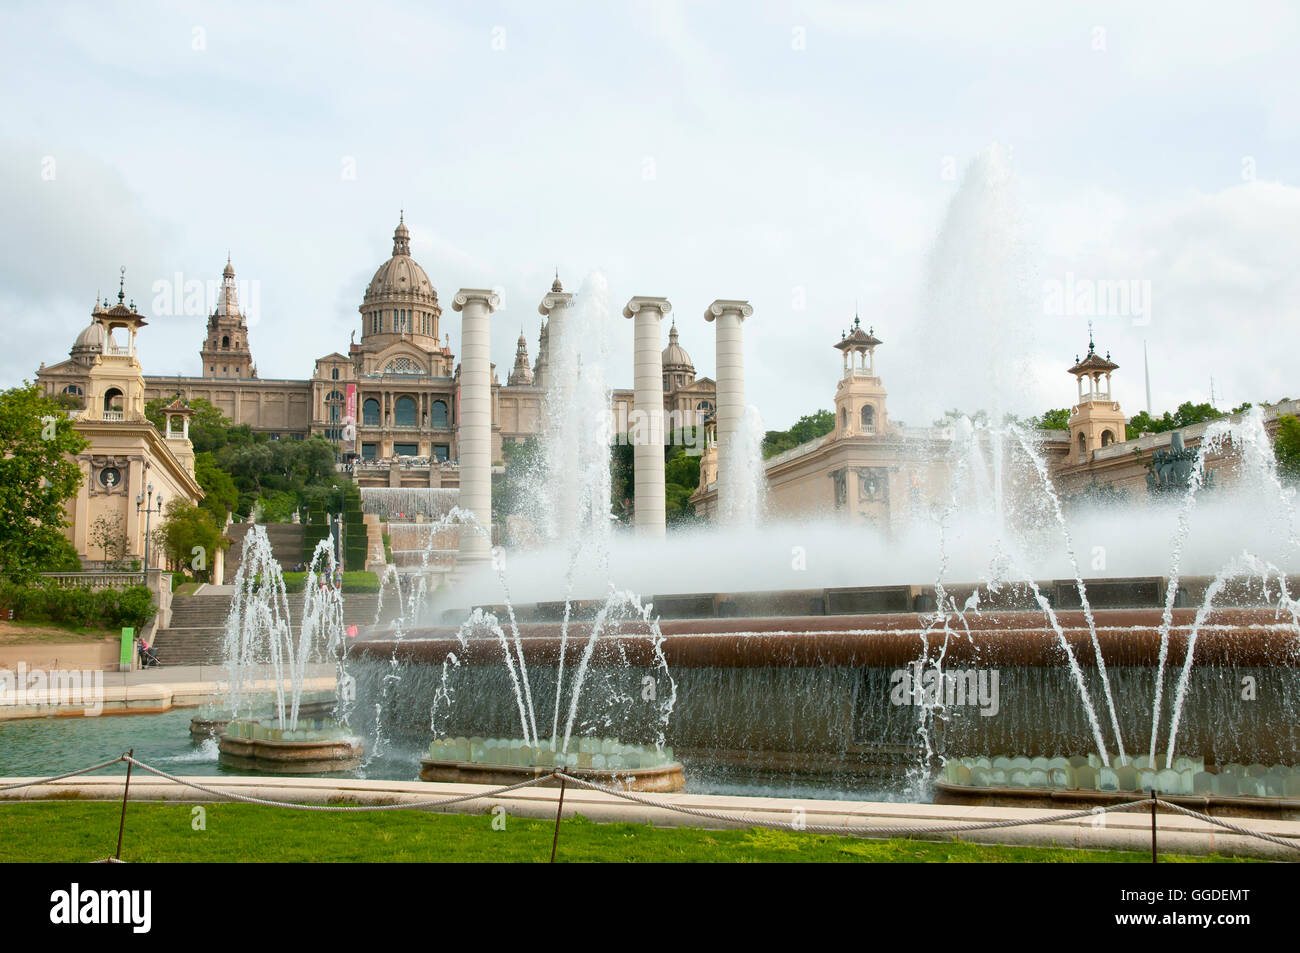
(84, 831)
(43, 633)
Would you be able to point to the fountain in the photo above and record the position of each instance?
(977, 649)
(259, 630)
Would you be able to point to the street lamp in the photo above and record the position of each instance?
(338, 538)
(148, 508)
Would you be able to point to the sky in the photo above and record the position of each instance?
(816, 159)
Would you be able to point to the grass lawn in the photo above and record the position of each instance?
(80, 831)
(45, 633)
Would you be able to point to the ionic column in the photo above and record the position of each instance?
(648, 430)
(729, 316)
(561, 371)
(476, 306)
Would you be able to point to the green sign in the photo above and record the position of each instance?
(128, 647)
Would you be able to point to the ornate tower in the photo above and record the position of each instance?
(522, 374)
(115, 391)
(860, 394)
(225, 350)
(1096, 420)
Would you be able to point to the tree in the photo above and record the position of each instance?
(220, 495)
(1186, 415)
(37, 477)
(1052, 420)
(108, 535)
(209, 427)
(190, 537)
(807, 427)
(1286, 446)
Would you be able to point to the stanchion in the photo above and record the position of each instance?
(555, 841)
(126, 790)
(1153, 826)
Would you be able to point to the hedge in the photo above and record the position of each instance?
(79, 605)
(356, 582)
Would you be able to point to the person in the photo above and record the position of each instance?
(147, 655)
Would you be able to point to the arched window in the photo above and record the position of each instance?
(402, 365)
(73, 389)
(113, 400)
(370, 412)
(334, 406)
(1107, 438)
(438, 415)
(1083, 445)
(225, 341)
(844, 419)
(868, 419)
(404, 412)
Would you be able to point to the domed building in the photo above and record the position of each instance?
(389, 399)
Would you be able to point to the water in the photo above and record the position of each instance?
(259, 628)
(405, 503)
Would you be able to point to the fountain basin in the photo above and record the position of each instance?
(215, 726)
(314, 750)
(502, 761)
(1234, 790)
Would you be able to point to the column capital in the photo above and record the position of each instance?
(465, 295)
(554, 301)
(723, 306)
(639, 302)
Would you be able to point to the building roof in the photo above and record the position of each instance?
(1093, 363)
(401, 275)
(858, 338)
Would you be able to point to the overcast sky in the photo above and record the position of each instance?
(805, 156)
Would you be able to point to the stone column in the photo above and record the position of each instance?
(729, 315)
(561, 371)
(647, 430)
(476, 306)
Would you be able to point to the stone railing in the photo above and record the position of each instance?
(95, 580)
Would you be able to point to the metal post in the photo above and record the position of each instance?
(1153, 826)
(126, 789)
(558, 811)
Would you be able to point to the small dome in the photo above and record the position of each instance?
(400, 275)
(90, 339)
(675, 356)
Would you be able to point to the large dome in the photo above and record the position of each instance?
(400, 276)
(675, 356)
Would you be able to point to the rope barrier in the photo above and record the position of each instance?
(60, 777)
(336, 808)
(647, 801)
(1278, 839)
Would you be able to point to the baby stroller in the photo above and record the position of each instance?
(148, 657)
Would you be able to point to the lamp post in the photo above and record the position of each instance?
(338, 536)
(146, 506)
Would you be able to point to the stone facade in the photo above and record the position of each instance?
(400, 379)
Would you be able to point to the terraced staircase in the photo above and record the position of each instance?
(197, 627)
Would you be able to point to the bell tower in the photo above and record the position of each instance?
(115, 390)
(225, 351)
(1095, 420)
(860, 395)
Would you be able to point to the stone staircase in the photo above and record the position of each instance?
(197, 627)
(285, 539)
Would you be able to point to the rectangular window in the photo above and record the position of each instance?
(367, 451)
(406, 449)
(441, 452)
